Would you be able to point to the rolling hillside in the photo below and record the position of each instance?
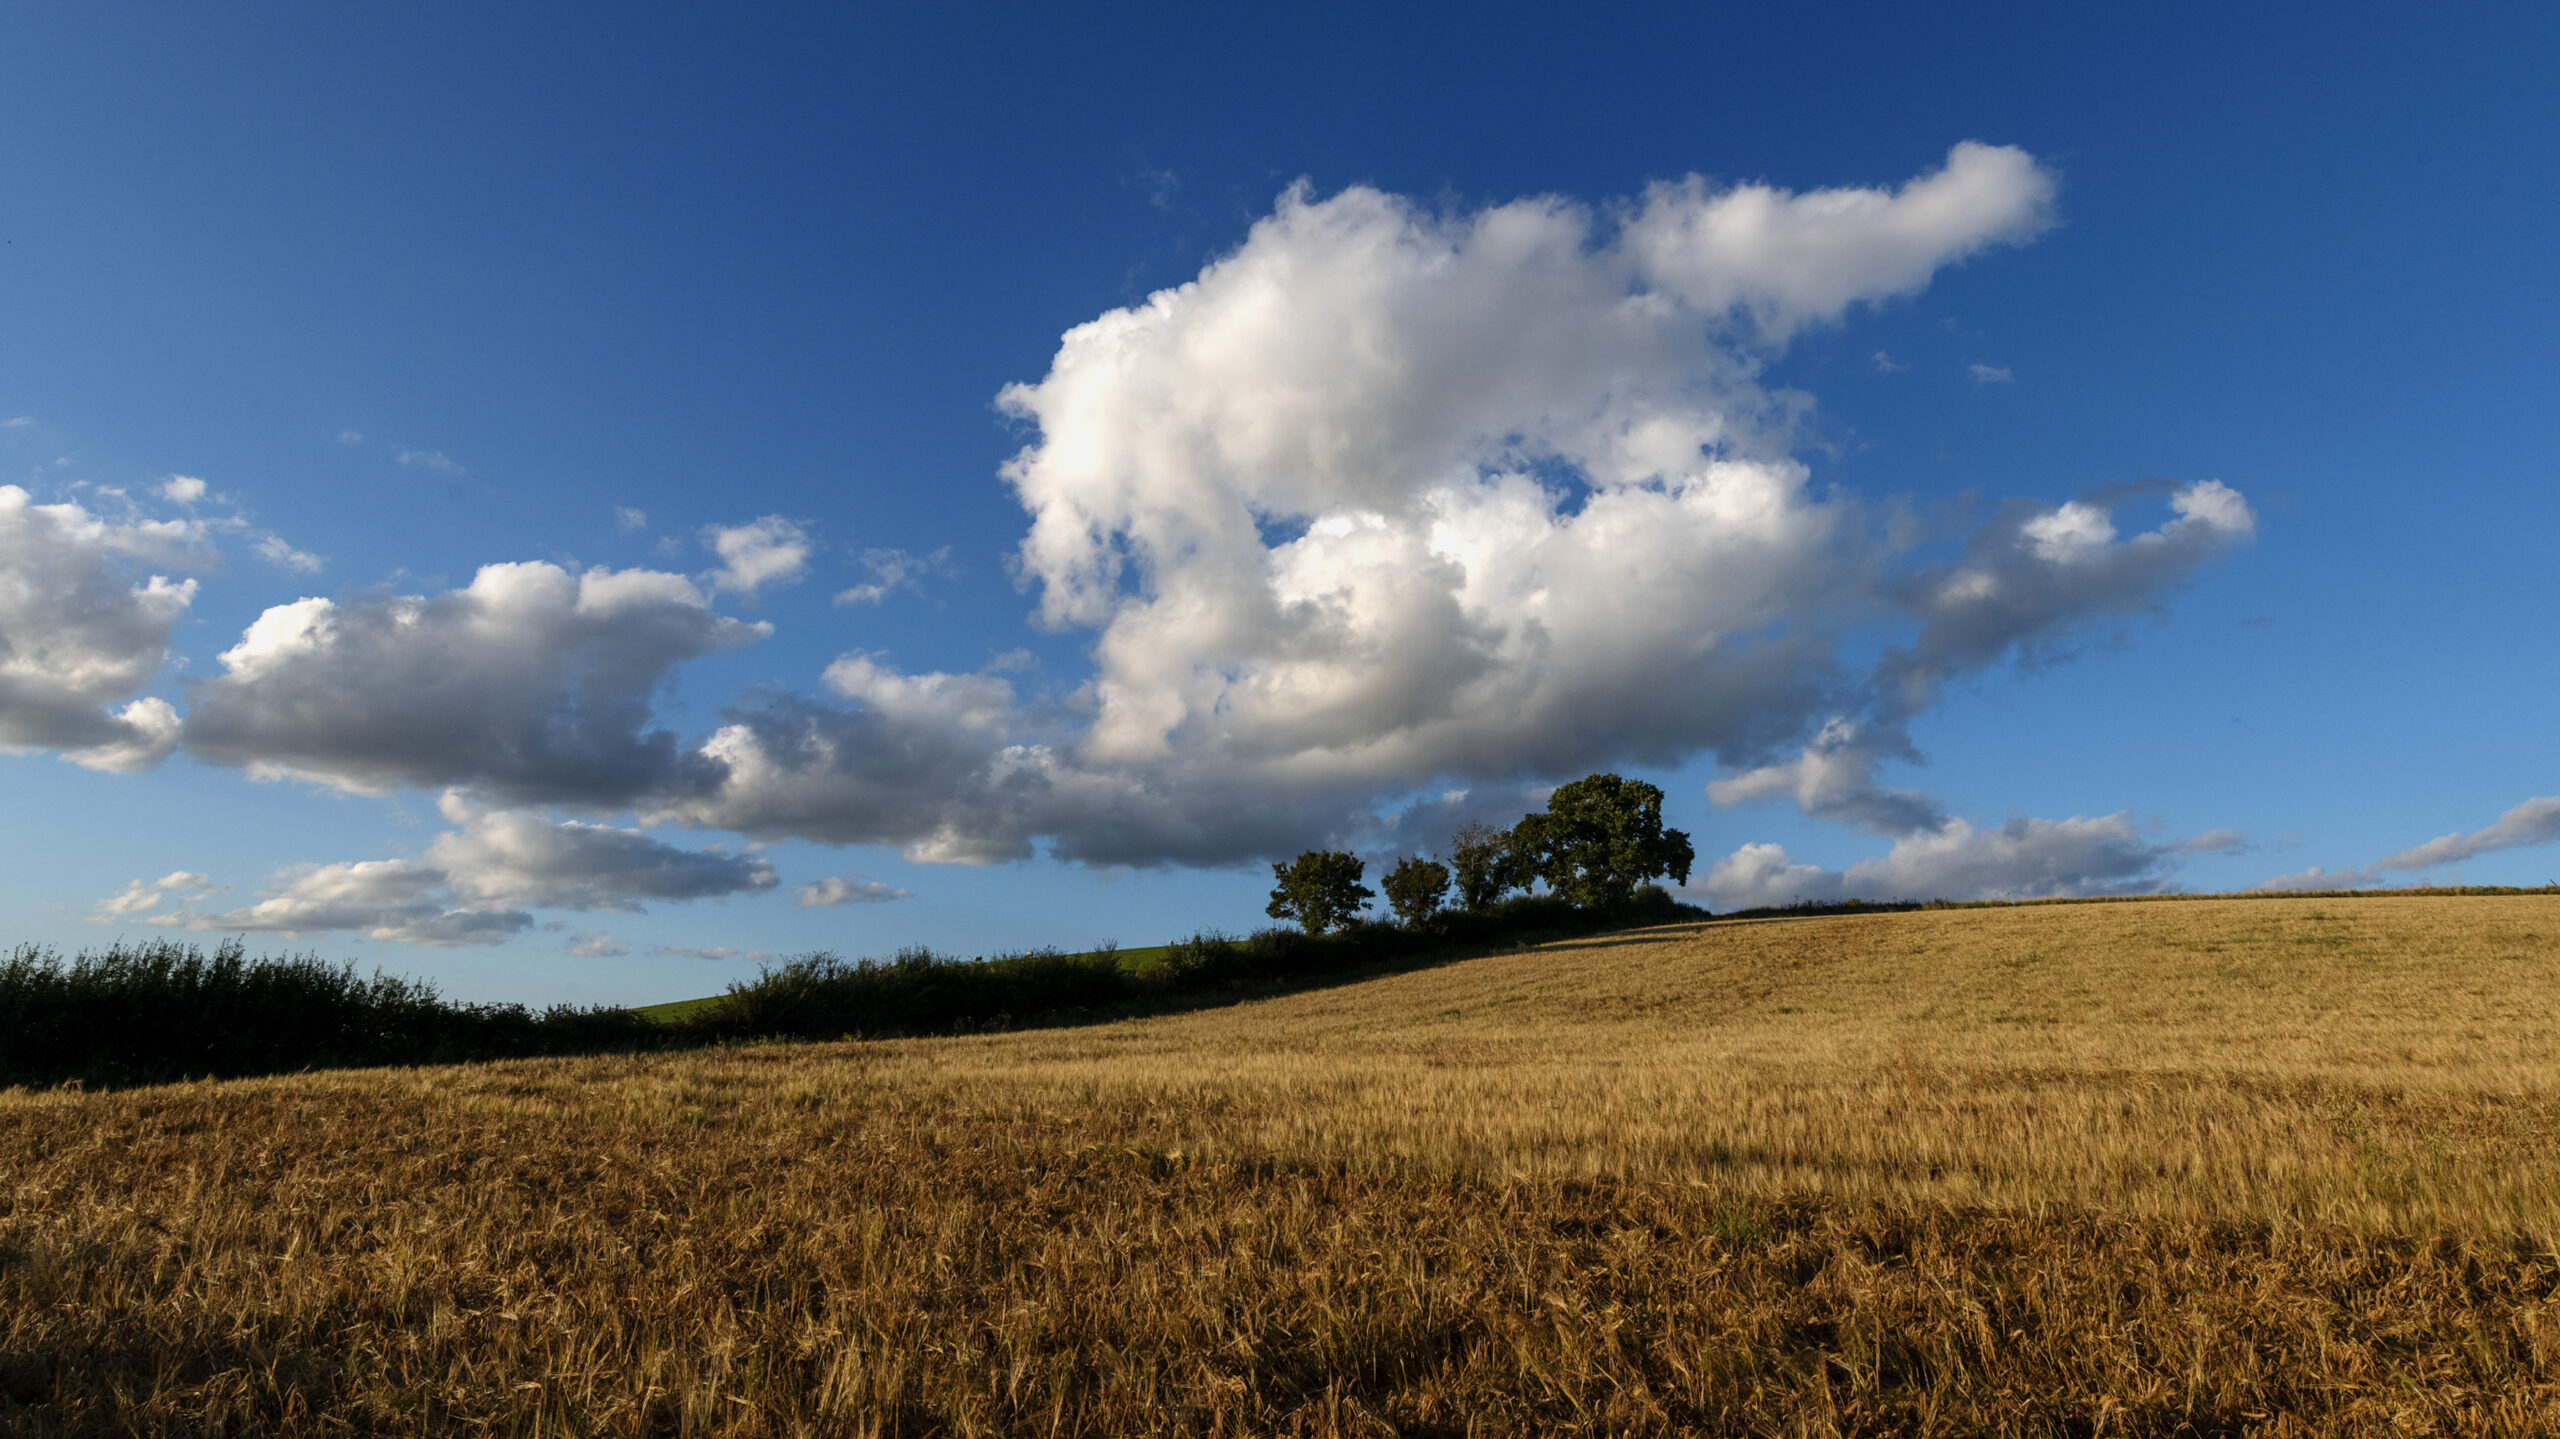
(2202, 1167)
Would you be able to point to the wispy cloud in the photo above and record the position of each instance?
(713, 951)
(1886, 364)
(894, 570)
(2534, 822)
(627, 519)
(274, 550)
(428, 460)
(1990, 374)
(838, 889)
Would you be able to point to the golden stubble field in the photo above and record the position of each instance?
(2210, 1167)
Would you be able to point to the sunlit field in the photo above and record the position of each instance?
(2280, 1166)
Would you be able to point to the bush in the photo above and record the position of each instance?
(161, 1011)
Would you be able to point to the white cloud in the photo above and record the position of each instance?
(1834, 779)
(530, 685)
(627, 519)
(1990, 374)
(593, 944)
(398, 900)
(838, 889)
(82, 628)
(769, 551)
(1886, 364)
(351, 437)
(1387, 496)
(2024, 859)
(182, 489)
(17, 422)
(144, 895)
(428, 459)
(511, 857)
(894, 570)
(472, 886)
(1387, 501)
(274, 550)
(2534, 822)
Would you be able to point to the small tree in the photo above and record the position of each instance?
(1416, 887)
(1320, 889)
(1480, 860)
(1601, 837)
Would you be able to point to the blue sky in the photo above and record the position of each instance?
(995, 477)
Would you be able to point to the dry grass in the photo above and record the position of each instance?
(2274, 1166)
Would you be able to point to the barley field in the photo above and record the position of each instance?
(2203, 1167)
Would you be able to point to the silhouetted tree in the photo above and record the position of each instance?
(1481, 861)
(1416, 887)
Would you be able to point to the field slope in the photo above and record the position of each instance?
(2285, 1166)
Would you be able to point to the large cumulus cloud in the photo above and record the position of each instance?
(530, 685)
(1388, 501)
(84, 625)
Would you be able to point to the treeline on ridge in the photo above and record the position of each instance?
(161, 1011)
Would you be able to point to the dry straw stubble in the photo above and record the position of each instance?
(2267, 1166)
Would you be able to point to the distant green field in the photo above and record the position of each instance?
(1132, 961)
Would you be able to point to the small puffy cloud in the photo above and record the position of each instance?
(838, 889)
(1834, 778)
(627, 519)
(2218, 841)
(2534, 822)
(351, 437)
(769, 551)
(1886, 364)
(1789, 260)
(529, 685)
(512, 857)
(1990, 374)
(893, 570)
(182, 489)
(274, 550)
(141, 896)
(427, 460)
(594, 944)
(388, 899)
(2026, 858)
(17, 422)
(83, 625)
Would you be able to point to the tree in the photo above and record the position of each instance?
(1320, 889)
(1481, 861)
(1601, 836)
(1416, 887)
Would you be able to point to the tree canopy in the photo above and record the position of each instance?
(1601, 836)
(1320, 889)
(1416, 888)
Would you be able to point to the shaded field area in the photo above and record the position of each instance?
(2206, 1168)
